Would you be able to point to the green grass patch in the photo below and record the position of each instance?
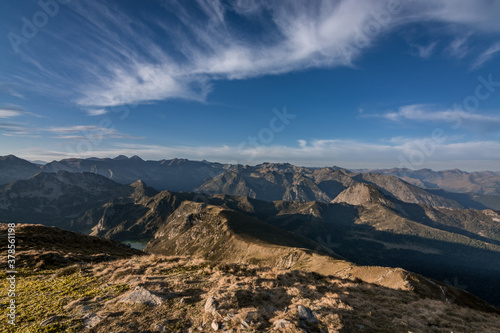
(42, 295)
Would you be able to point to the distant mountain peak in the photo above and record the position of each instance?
(142, 190)
(138, 182)
(121, 158)
(362, 194)
(9, 157)
(12, 158)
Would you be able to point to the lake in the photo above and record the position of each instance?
(138, 244)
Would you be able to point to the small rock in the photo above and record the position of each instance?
(244, 324)
(50, 320)
(160, 328)
(215, 326)
(211, 305)
(91, 320)
(305, 314)
(186, 300)
(144, 296)
(282, 323)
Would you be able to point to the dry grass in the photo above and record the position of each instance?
(250, 299)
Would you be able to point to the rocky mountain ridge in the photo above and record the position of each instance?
(362, 224)
(480, 182)
(278, 181)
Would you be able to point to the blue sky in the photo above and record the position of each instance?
(358, 84)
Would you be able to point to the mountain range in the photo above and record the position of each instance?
(277, 181)
(365, 218)
(480, 182)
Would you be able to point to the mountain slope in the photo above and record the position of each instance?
(173, 175)
(444, 243)
(363, 224)
(272, 182)
(45, 247)
(264, 184)
(405, 192)
(155, 293)
(56, 198)
(129, 218)
(214, 233)
(480, 182)
(13, 168)
(362, 194)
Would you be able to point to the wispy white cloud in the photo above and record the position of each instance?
(96, 112)
(75, 133)
(486, 55)
(479, 15)
(10, 111)
(183, 56)
(87, 132)
(12, 128)
(458, 48)
(8, 88)
(299, 36)
(425, 51)
(18, 130)
(429, 113)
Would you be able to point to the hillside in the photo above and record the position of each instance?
(13, 168)
(156, 293)
(214, 233)
(40, 247)
(363, 224)
(479, 182)
(56, 198)
(174, 174)
(271, 182)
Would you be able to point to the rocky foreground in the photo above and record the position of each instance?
(171, 294)
(122, 290)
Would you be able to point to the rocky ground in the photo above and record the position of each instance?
(69, 282)
(173, 294)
